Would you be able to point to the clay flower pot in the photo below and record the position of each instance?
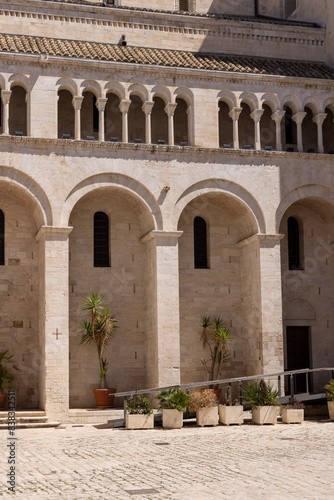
(104, 398)
(3, 398)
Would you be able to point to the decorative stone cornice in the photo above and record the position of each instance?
(155, 234)
(273, 238)
(53, 230)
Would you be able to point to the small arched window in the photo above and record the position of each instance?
(2, 238)
(294, 244)
(200, 243)
(101, 240)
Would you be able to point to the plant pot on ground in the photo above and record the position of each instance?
(293, 412)
(6, 375)
(98, 329)
(330, 398)
(205, 405)
(216, 337)
(173, 402)
(263, 402)
(231, 413)
(139, 413)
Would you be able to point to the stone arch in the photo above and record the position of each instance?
(228, 97)
(67, 84)
(329, 103)
(91, 86)
(251, 99)
(317, 197)
(185, 94)
(225, 187)
(299, 309)
(138, 90)
(134, 188)
(115, 88)
(2, 82)
(20, 80)
(314, 104)
(163, 92)
(293, 102)
(29, 192)
(272, 101)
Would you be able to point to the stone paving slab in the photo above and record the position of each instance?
(281, 462)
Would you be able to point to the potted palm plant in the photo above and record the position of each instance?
(263, 401)
(215, 336)
(98, 329)
(293, 412)
(231, 412)
(173, 402)
(6, 376)
(330, 398)
(205, 405)
(139, 413)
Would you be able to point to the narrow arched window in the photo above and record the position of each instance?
(101, 240)
(294, 244)
(95, 116)
(200, 243)
(2, 238)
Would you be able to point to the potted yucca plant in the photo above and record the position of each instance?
(293, 412)
(139, 413)
(330, 398)
(215, 336)
(173, 402)
(205, 405)
(98, 329)
(232, 412)
(263, 401)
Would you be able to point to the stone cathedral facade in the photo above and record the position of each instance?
(176, 157)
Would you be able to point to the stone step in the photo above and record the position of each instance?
(31, 425)
(22, 420)
(24, 413)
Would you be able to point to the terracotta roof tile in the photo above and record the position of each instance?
(163, 57)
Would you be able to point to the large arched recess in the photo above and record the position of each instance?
(125, 284)
(25, 208)
(312, 206)
(228, 284)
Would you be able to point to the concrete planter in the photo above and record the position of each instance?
(231, 415)
(207, 416)
(139, 421)
(330, 405)
(172, 419)
(265, 415)
(292, 416)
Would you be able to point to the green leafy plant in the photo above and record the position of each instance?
(330, 390)
(98, 329)
(216, 336)
(203, 399)
(260, 394)
(294, 404)
(139, 405)
(6, 376)
(173, 399)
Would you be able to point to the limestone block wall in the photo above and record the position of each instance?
(313, 285)
(122, 285)
(19, 296)
(237, 7)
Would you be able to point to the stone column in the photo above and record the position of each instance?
(5, 97)
(124, 106)
(147, 108)
(101, 105)
(298, 119)
(190, 125)
(319, 120)
(262, 304)
(256, 116)
(77, 102)
(170, 110)
(277, 117)
(163, 332)
(54, 317)
(234, 114)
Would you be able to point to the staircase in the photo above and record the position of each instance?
(29, 419)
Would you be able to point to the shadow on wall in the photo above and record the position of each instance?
(237, 7)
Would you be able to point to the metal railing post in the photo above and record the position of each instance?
(279, 383)
(230, 390)
(240, 392)
(307, 375)
(124, 403)
(292, 390)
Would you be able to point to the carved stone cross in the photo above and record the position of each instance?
(57, 333)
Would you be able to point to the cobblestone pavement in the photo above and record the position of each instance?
(285, 462)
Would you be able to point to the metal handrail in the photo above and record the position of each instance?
(224, 381)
